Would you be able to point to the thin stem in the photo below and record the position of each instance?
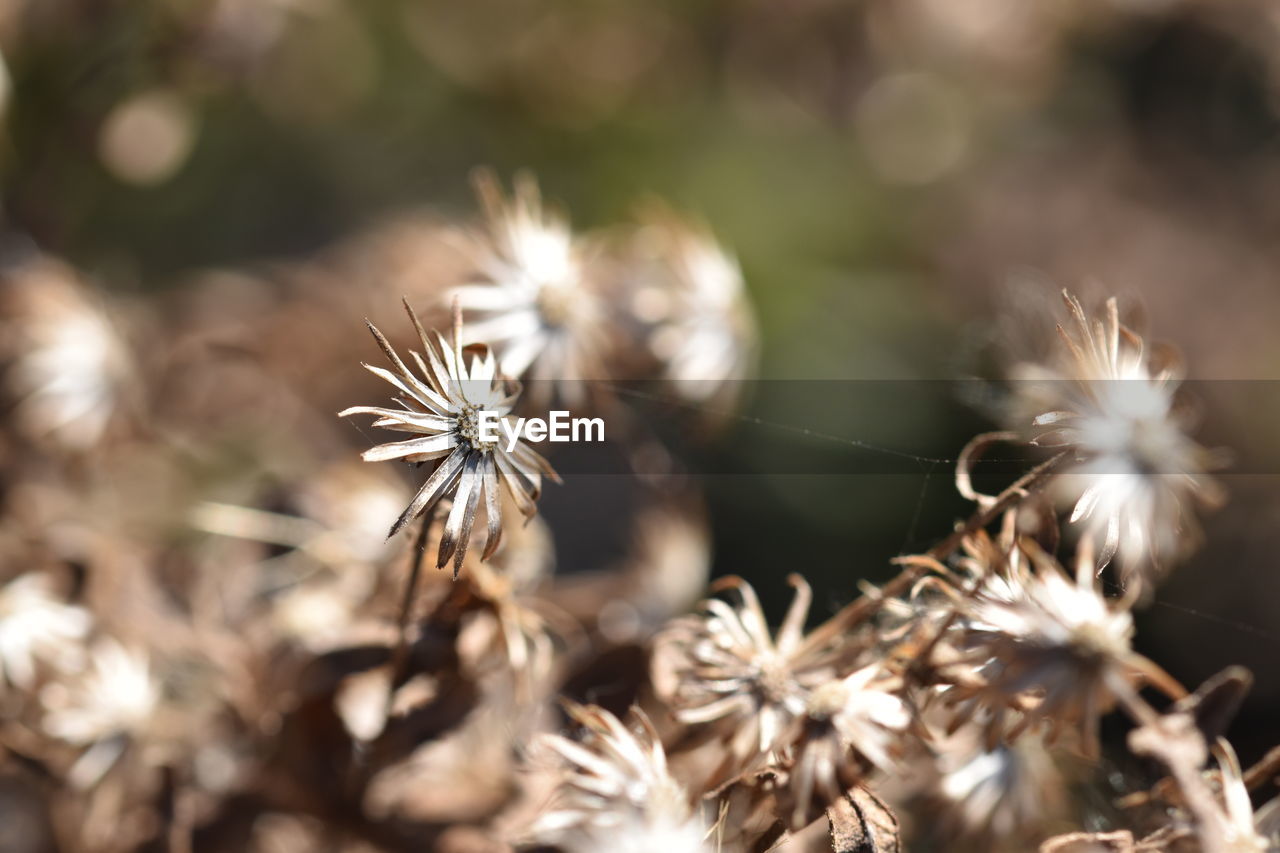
(401, 652)
(861, 608)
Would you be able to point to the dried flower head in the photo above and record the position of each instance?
(68, 364)
(999, 795)
(1048, 649)
(116, 695)
(689, 296)
(727, 670)
(1239, 829)
(845, 720)
(1137, 471)
(616, 792)
(36, 626)
(533, 298)
(462, 386)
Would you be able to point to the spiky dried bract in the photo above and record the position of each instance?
(615, 791)
(532, 295)
(729, 671)
(1239, 828)
(1039, 647)
(1137, 472)
(445, 409)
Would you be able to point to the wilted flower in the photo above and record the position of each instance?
(1137, 471)
(690, 297)
(35, 626)
(116, 695)
(1000, 794)
(856, 715)
(616, 792)
(728, 670)
(462, 386)
(68, 364)
(1048, 648)
(535, 303)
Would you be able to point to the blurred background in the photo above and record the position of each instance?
(903, 183)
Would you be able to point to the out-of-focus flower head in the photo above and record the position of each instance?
(1038, 647)
(462, 385)
(615, 791)
(116, 695)
(723, 667)
(36, 627)
(1136, 472)
(1000, 795)
(689, 298)
(859, 716)
(533, 296)
(512, 622)
(67, 365)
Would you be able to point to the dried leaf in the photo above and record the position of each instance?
(862, 823)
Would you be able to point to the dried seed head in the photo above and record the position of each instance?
(1137, 472)
(532, 296)
(729, 671)
(616, 790)
(1038, 647)
(444, 409)
(35, 627)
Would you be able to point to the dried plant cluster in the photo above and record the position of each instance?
(209, 642)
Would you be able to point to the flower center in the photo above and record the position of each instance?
(555, 303)
(775, 680)
(469, 428)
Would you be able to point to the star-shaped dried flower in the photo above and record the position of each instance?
(727, 670)
(445, 409)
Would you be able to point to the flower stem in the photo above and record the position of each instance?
(401, 652)
(865, 605)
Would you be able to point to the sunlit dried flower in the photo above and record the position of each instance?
(116, 695)
(36, 626)
(68, 363)
(689, 295)
(857, 715)
(1050, 650)
(616, 792)
(446, 410)
(729, 671)
(534, 301)
(1137, 472)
